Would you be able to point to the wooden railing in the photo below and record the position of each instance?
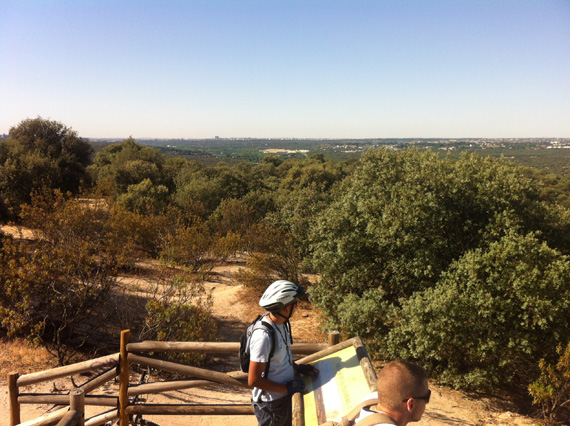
(109, 367)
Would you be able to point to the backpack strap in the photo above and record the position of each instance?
(271, 331)
(374, 419)
(353, 414)
(370, 420)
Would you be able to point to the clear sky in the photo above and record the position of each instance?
(288, 68)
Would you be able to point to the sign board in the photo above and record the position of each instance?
(345, 378)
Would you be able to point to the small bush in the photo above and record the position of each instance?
(137, 234)
(551, 392)
(51, 294)
(190, 247)
(180, 310)
(275, 257)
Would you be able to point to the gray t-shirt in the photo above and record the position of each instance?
(281, 365)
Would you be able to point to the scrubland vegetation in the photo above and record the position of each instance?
(458, 264)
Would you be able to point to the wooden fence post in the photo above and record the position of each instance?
(334, 338)
(124, 379)
(77, 403)
(13, 395)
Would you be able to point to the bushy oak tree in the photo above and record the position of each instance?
(395, 229)
(491, 317)
(41, 153)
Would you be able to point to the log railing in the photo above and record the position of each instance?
(118, 365)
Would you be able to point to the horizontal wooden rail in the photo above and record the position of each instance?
(47, 419)
(71, 418)
(68, 370)
(203, 347)
(103, 378)
(212, 347)
(201, 410)
(167, 386)
(103, 418)
(238, 375)
(329, 350)
(47, 398)
(187, 370)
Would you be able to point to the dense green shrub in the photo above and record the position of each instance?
(491, 317)
(403, 217)
(145, 197)
(408, 228)
(126, 165)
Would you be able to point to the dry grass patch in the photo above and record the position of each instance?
(23, 357)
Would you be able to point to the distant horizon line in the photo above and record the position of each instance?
(328, 139)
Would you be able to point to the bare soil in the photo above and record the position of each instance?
(233, 309)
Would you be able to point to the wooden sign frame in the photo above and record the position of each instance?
(333, 363)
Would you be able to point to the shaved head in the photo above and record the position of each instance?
(399, 380)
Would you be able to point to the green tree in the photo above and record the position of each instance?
(145, 197)
(491, 317)
(120, 166)
(41, 153)
(202, 189)
(396, 227)
(403, 217)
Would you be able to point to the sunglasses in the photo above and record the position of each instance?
(425, 398)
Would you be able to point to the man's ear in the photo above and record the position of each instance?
(410, 404)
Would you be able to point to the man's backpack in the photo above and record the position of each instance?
(245, 338)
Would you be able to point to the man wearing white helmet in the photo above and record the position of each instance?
(272, 391)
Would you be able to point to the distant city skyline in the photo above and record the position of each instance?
(288, 68)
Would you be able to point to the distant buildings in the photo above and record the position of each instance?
(285, 151)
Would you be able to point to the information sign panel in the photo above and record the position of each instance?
(342, 383)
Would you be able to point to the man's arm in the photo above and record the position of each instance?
(255, 379)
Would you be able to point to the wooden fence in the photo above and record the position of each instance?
(118, 365)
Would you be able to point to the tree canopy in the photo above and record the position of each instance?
(399, 224)
(41, 153)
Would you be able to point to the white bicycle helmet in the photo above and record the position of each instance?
(279, 295)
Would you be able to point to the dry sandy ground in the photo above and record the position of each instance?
(447, 407)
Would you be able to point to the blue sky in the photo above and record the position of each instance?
(287, 68)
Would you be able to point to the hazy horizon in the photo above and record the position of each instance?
(288, 69)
